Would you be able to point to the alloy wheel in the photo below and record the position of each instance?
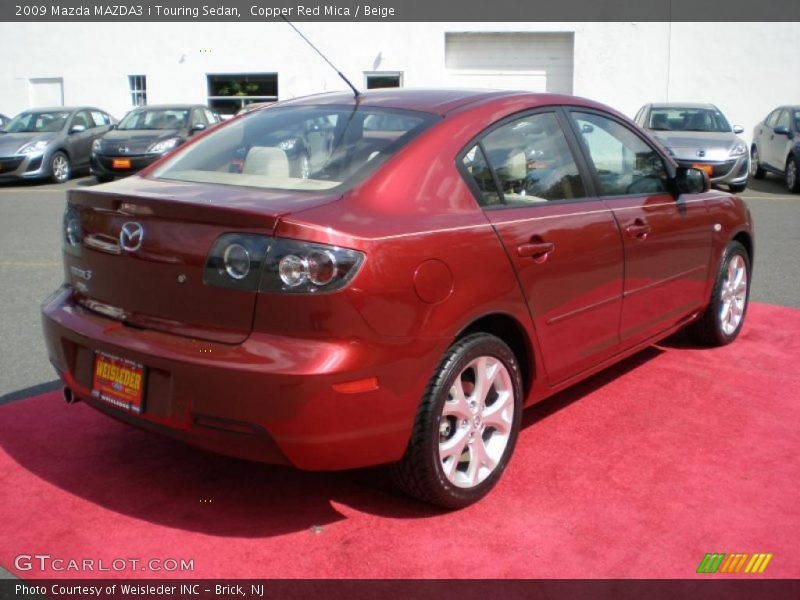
(60, 168)
(733, 295)
(791, 174)
(753, 162)
(476, 422)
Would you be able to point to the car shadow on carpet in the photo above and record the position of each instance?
(111, 466)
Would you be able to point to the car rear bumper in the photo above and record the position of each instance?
(271, 398)
(104, 165)
(14, 168)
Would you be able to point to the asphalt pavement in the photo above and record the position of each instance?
(30, 269)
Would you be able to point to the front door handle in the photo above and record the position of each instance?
(639, 230)
(535, 250)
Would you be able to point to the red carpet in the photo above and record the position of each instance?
(638, 472)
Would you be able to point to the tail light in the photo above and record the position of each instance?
(72, 230)
(258, 263)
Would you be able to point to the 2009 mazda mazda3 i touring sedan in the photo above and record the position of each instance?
(442, 260)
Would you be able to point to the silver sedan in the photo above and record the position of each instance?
(699, 136)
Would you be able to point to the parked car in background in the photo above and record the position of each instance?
(146, 134)
(3, 121)
(450, 258)
(253, 106)
(50, 142)
(776, 146)
(699, 136)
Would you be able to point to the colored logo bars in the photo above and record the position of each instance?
(734, 563)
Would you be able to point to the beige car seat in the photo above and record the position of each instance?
(267, 161)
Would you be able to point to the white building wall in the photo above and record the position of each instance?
(744, 68)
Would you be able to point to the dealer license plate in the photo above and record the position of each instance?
(118, 381)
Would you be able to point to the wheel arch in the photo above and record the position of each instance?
(513, 333)
(746, 240)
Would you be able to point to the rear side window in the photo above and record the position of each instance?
(624, 163)
(475, 164)
(297, 147)
(531, 161)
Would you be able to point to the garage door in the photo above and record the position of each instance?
(539, 62)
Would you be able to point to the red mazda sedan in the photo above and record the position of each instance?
(335, 282)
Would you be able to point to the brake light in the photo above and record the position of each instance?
(251, 262)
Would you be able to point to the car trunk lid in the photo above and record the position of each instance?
(152, 276)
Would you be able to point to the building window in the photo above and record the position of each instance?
(138, 87)
(383, 79)
(229, 93)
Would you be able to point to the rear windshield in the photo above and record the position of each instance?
(155, 119)
(688, 119)
(297, 147)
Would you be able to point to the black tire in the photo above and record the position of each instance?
(737, 188)
(60, 167)
(709, 329)
(756, 170)
(420, 473)
(791, 175)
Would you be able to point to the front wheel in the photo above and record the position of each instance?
(724, 317)
(756, 170)
(737, 188)
(60, 169)
(792, 180)
(466, 425)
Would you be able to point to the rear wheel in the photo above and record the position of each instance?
(724, 317)
(792, 180)
(737, 188)
(60, 169)
(466, 425)
(756, 170)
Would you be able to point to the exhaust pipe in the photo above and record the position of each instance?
(69, 397)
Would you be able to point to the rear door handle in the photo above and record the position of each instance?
(535, 250)
(639, 229)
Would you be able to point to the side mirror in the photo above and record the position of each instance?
(586, 128)
(198, 127)
(692, 181)
(738, 129)
(781, 130)
(112, 126)
(77, 129)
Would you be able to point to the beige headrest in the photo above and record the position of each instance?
(267, 161)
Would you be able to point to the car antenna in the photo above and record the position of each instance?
(356, 93)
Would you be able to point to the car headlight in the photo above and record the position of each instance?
(96, 146)
(33, 147)
(163, 146)
(739, 150)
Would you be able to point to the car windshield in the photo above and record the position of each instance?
(38, 122)
(155, 119)
(297, 147)
(687, 119)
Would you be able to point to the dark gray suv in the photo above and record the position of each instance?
(50, 142)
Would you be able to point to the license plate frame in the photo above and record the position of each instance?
(119, 381)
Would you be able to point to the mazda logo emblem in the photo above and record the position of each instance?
(131, 236)
(123, 149)
(701, 153)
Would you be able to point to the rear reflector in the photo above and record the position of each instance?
(357, 386)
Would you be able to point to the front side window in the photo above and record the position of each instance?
(100, 118)
(624, 163)
(772, 118)
(38, 122)
(532, 162)
(783, 120)
(297, 147)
